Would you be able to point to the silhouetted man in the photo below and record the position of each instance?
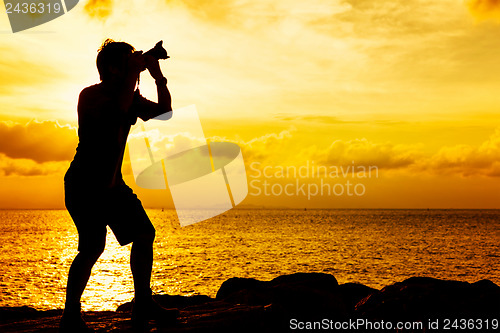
(95, 193)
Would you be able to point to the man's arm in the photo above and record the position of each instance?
(136, 64)
(146, 109)
(164, 98)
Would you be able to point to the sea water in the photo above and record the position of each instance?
(372, 247)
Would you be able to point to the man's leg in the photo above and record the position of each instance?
(91, 245)
(141, 264)
(86, 209)
(79, 275)
(132, 224)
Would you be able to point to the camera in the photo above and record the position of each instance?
(158, 52)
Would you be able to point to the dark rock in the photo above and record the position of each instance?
(236, 284)
(220, 316)
(171, 301)
(243, 286)
(7, 313)
(24, 312)
(295, 295)
(249, 305)
(310, 280)
(307, 280)
(424, 298)
(353, 293)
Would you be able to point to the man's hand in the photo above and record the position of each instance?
(153, 67)
(164, 98)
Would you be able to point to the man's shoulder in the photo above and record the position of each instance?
(90, 90)
(93, 97)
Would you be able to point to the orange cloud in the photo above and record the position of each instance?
(469, 160)
(286, 149)
(38, 141)
(485, 9)
(364, 152)
(269, 146)
(272, 146)
(27, 167)
(100, 9)
(462, 160)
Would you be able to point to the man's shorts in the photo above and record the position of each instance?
(92, 210)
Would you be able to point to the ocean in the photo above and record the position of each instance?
(372, 247)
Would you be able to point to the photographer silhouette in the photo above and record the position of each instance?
(95, 193)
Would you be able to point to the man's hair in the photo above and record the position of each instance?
(110, 54)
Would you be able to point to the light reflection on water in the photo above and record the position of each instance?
(373, 247)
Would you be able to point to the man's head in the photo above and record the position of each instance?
(112, 59)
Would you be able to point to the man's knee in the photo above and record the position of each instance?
(146, 238)
(91, 254)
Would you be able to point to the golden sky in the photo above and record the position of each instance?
(411, 87)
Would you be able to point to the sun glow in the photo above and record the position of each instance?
(409, 89)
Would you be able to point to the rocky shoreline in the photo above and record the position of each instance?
(296, 301)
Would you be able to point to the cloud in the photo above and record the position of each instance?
(163, 143)
(27, 167)
(467, 160)
(41, 142)
(485, 9)
(99, 9)
(364, 152)
(271, 147)
(461, 160)
(285, 149)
